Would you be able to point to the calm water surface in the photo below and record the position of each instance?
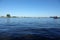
(47, 27)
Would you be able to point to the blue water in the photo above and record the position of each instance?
(18, 27)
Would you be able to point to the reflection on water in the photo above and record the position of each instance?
(29, 28)
(7, 21)
(30, 22)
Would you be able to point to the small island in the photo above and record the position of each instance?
(8, 16)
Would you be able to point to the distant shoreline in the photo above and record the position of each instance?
(8, 16)
(21, 17)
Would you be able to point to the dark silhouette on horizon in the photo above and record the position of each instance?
(55, 17)
(8, 15)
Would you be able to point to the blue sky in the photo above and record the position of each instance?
(33, 8)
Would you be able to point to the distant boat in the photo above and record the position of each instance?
(55, 17)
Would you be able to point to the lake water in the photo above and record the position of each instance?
(21, 27)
